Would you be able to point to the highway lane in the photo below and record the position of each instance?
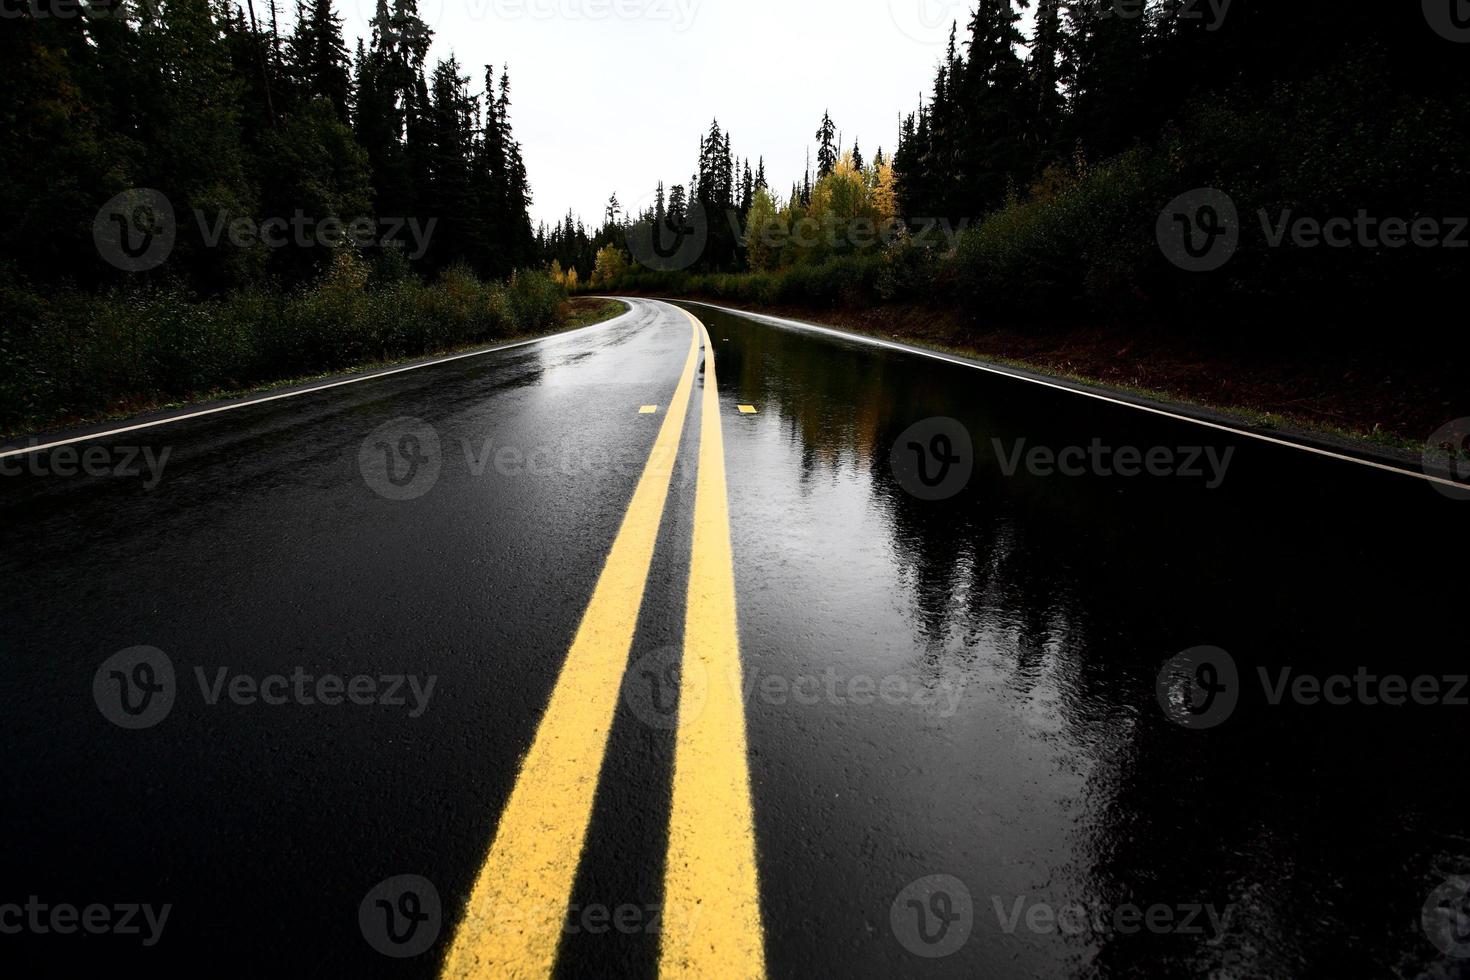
(958, 764)
(263, 549)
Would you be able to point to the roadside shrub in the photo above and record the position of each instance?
(73, 354)
(907, 271)
(534, 299)
(1325, 147)
(387, 267)
(846, 281)
(1086, 243)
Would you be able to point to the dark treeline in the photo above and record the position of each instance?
(328, 209)
(1070, 143)
(234, 114)
(725, 191)
(722, 185)
(1095, 78)
(1065, 140)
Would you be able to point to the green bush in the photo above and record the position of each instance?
(71, 354)
(1088, 243)
(846, 281)
(533, 298)
(908, 271)
(1085, 245)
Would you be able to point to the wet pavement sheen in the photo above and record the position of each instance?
(960, 757)
(1020, 625)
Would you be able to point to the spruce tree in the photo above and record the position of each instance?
(326, 67)
(826, 146)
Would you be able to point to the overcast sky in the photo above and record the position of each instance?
(611, 95)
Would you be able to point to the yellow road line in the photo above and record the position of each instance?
(519, 902)
(746, 409)
(712, 917)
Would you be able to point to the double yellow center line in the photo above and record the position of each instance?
(711, 922)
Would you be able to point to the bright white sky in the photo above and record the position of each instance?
(612, 95)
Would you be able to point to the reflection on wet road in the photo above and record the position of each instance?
(966, 686)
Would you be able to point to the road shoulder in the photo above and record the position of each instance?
(14, 444)
(1399, 455)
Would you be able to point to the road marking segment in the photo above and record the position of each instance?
(517, 908)
(712, 919)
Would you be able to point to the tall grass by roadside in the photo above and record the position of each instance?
(72, 355)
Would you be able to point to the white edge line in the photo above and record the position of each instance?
(247, 401)
(936, 355)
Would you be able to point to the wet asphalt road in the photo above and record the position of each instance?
(958, 758)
